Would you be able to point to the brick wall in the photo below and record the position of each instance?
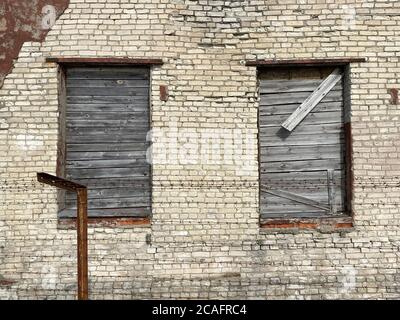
(204, 240)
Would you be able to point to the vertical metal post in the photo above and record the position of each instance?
(81, 226)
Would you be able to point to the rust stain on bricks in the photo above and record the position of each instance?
(394, 96)
(22, 21)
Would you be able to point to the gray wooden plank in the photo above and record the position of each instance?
(312, 129)
(311, 176)
(283, 153)
(296, 198)
(102, 73)
(106, 155)
(107, 99)
(106, 83)
(287, 166)
(288, 215)
(296, 212)
(297, 184)
(104, 147)
(108, 138)
(87, 107)
(115, 182)
(116, 125)
(134, 132)
(117, 163)
(320, 194)
(106, 193)
(296, 98)
(75, 174)
(271, 205)
(299, 140)
(316, 190)
(128, 202)
(113, 212)
(296, 85)
(313, 118)
(106, 115)
(109, 91)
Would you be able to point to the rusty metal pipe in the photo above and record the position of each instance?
(81, 226)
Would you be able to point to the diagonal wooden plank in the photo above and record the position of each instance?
(295, 197)
(309, 104)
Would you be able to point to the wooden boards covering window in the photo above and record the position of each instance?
(106, 123)
(302, 172)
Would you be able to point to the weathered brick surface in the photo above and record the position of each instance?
(204, 240)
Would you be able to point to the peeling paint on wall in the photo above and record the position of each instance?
(22, 21)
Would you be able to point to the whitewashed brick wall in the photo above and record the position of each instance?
(204, 240)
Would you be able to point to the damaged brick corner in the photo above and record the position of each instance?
(22, 21)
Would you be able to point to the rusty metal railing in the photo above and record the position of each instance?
(81, 226)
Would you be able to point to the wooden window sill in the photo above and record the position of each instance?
(323, 224)
(120, 222)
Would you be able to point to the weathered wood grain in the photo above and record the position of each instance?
(107, 155)
(116, 182)
(314, 121)
(287, 109)
(90, 163)
(331, 138)
(107, 120)
(296, 198)
(105, 147)
(142, 170)
(109, 107)
(107, 115)
(109, 212)
(107, 91)
(296, 98)
(114, 124)
(302, 165)
(287, 153)
(123, 192)
(126, 99)
(104, 83)
(298, 85)
(103, 73)
(307, 105)
(115, 202)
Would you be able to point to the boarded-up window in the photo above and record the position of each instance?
(106, 121)
(302, 142)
